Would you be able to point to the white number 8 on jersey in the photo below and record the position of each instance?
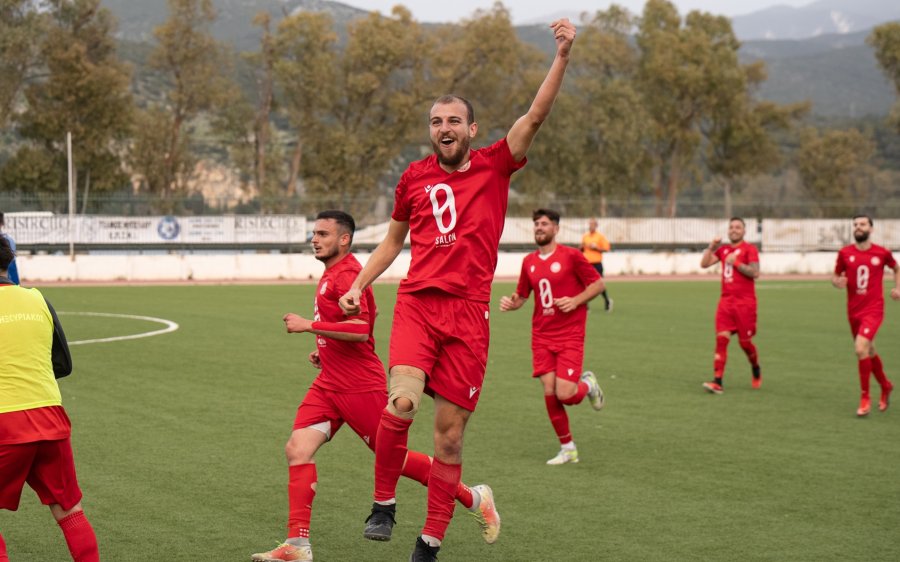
(439, 210)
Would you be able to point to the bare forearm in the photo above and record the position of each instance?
(750, 270)
(708, 259)
(590, 292)
(383, 256)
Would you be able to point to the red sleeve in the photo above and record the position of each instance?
(583, 269)
(752, 254)
(889, 260)
(401, 203)
(840, 266)
(524, 287)
(503, 159)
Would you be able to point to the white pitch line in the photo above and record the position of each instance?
(170, 326)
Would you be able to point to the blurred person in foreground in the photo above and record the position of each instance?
(35, 432)
(12, 271)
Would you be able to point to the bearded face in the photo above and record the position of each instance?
(544, 231)
(862, 229)
(451, 133)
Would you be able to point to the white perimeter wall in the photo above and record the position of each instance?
(298, 267)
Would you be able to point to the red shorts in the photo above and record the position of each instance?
(866, 324)
(47, 466)
(736, 317)
(565, 358)
(361, 411)
(447, 337)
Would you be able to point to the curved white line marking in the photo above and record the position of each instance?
(170, 326)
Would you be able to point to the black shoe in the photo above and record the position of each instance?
(380, 522)
(423, 552)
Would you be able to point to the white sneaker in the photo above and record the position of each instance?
(285, 553)
(595, 393)
(564, 456)
(609, 306)
(487, 515)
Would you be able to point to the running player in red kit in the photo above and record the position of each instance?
(453, 206)
(563, 282)
(737, 306)
(860, 269)
(350, 388)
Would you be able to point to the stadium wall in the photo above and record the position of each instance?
(238, 267)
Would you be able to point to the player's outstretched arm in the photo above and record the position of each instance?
(526, 127)
(709, 257)
(383, 256)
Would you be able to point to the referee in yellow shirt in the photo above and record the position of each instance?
(593, 246)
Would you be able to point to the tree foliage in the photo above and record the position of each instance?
(835, 165)
(193, 62)
(84, 90)
(885, 39)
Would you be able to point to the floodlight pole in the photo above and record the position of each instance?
(71, 198)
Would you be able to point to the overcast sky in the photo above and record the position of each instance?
(529, 11)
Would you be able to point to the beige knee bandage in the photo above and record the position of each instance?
(405, 386)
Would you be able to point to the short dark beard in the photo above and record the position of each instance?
(861, 237)
(454, 160)
(324, 258)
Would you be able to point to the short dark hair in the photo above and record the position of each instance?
(549, 213)
(453, 98)
(739, 219)
(7, 254)
(344, 220)
(867, 217)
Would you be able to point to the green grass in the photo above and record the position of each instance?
(179, 438)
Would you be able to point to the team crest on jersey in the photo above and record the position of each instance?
(324, 288)
(532, 269)
(555, 267)
(852, 259)
(876, 262)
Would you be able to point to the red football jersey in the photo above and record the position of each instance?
(865, 276)
(455, 221)
(346, 366)
(563, 273)
(734, 283)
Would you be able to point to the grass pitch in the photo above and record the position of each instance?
(179, 438)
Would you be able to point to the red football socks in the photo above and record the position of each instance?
(80, 537)
(750, 350)
(442, 486)
(578, 396)
(418, 468)
(301, 492)
(721, 356)
(558, 417)
(3, 556)
(878, 371)
(390, 454)
(865, 369)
